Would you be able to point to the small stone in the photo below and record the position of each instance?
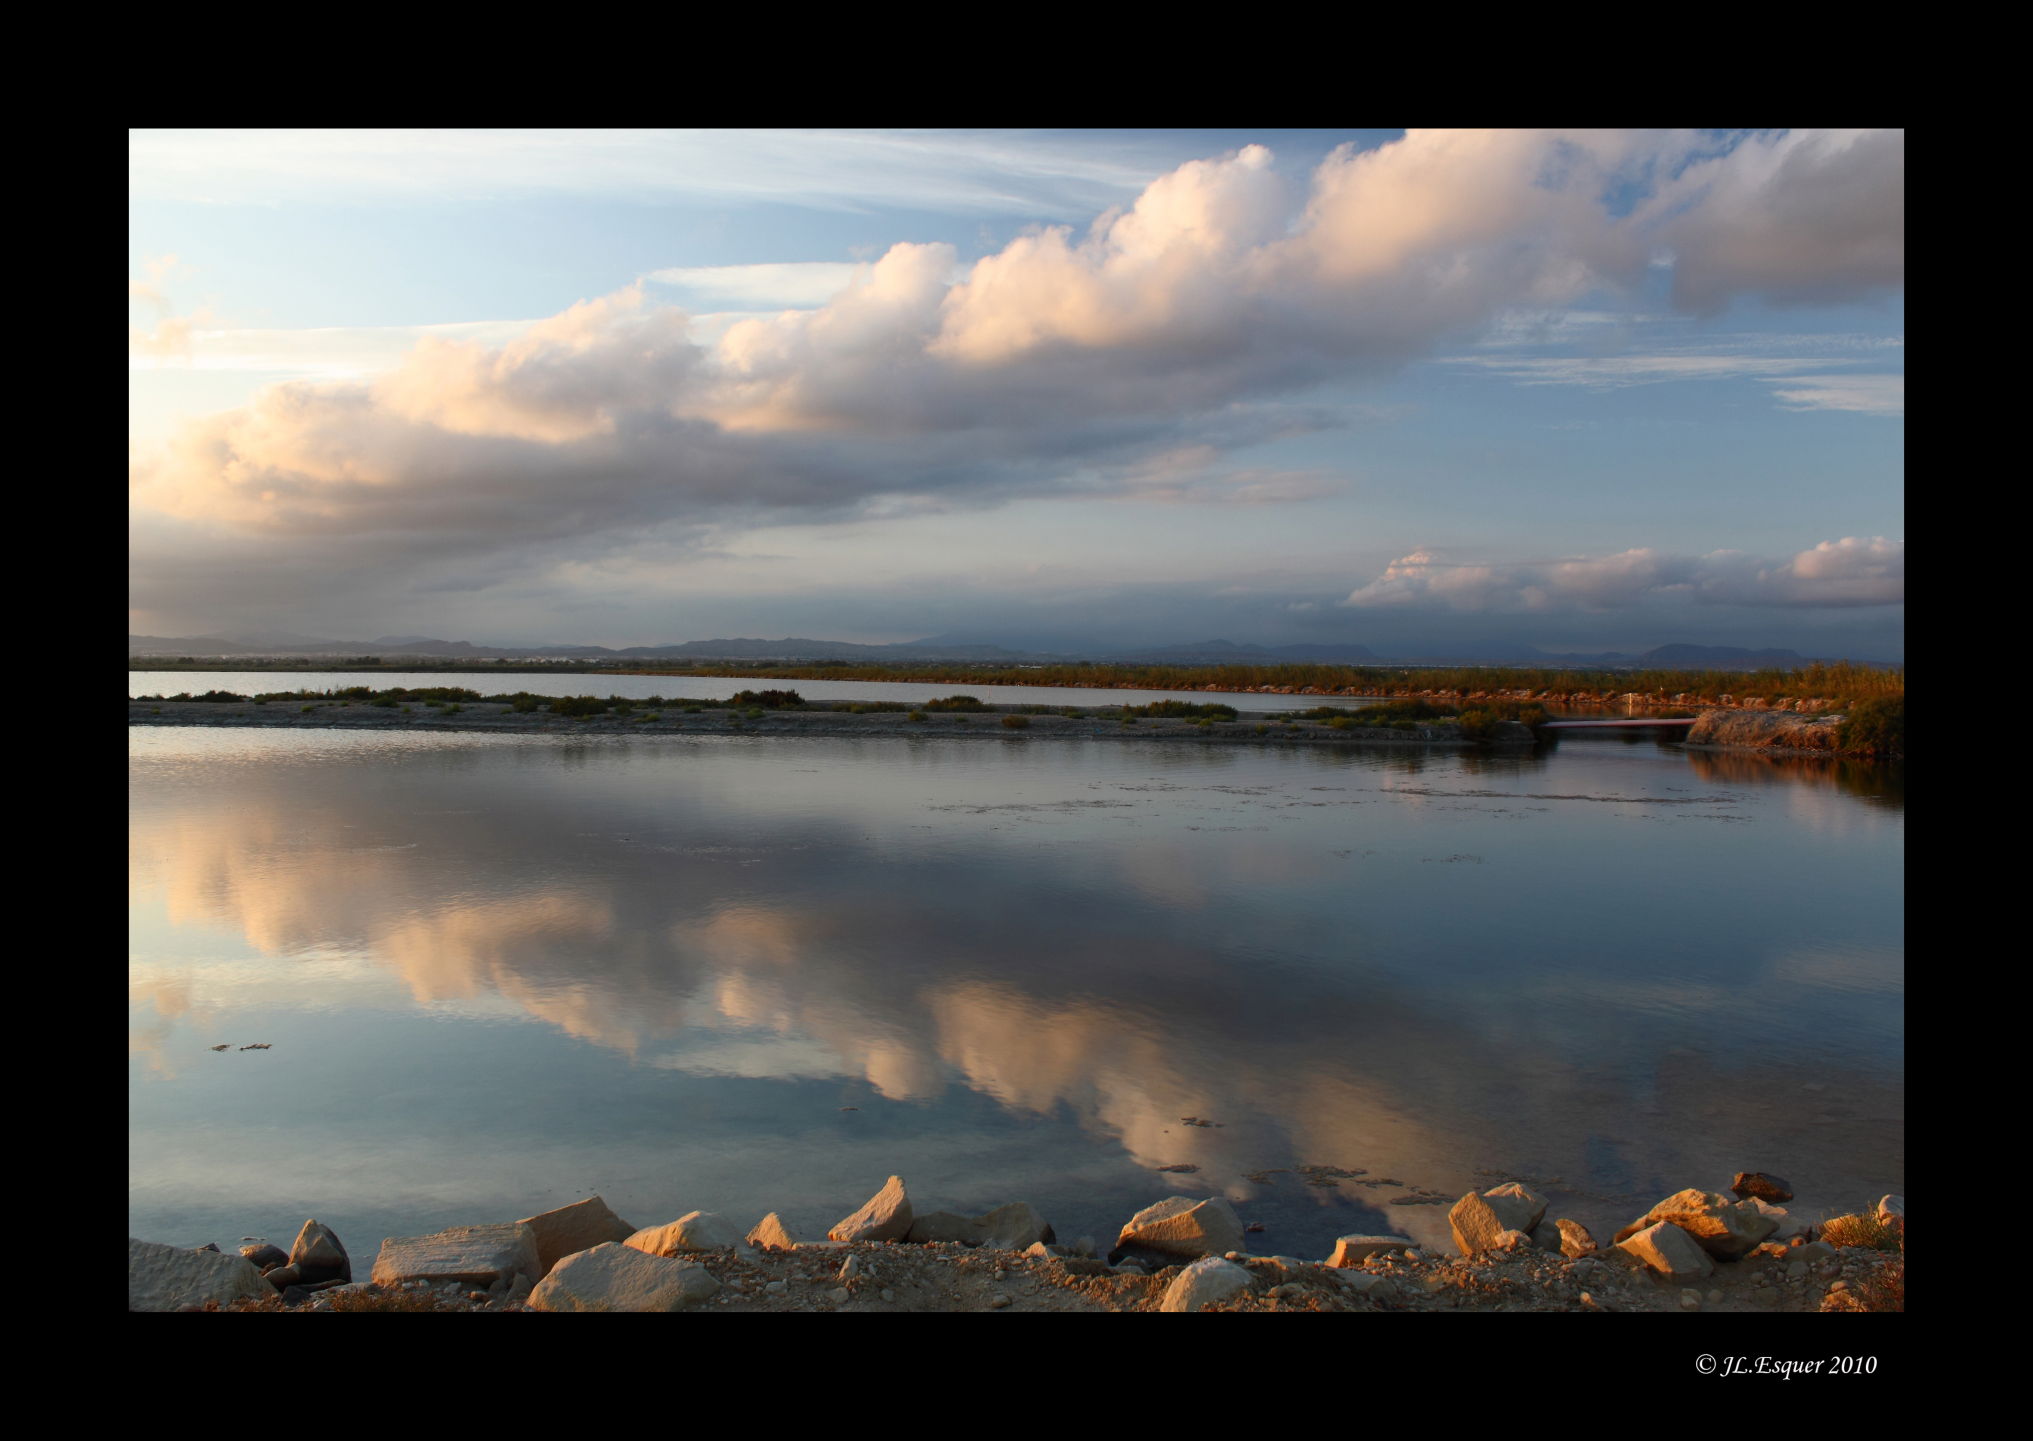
(1765, 1187)
(1690, 1300)
(998, 1302)
(840, 1293)
(775, 1288)
(1715, 1297)
(771, 1234)
(887, 1294)
(849, 1269)
(1207, 1280)
(1796, 1270)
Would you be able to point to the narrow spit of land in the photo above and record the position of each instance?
(840, 718)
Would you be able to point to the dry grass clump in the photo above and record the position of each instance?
(1867, 1232)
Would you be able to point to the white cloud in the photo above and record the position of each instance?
(1163, 330)
(1835, 573)
(1866, 394)
(993, 173)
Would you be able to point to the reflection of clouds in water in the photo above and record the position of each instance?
(1106, 994)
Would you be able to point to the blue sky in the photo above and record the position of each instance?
(1580, 390)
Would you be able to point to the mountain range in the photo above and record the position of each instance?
(280, 644)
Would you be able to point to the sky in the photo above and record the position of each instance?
(1426, 391)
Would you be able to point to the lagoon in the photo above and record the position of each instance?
(500, 972)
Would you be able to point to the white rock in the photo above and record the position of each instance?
(163, 1278)
(771, 1234)
(614, 1277)
(1181, 1226)
(471, 1255)
(1891, 1208)
(1668, 1250)
(886, 1216)
(577, 1227)
(1354, 1250)
(693, 1231)
(1207, 1280)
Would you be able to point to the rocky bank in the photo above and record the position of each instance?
(1693, 1251)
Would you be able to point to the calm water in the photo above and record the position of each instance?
(637, 687)
(501, 972)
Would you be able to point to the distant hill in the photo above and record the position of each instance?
(1226, 652)
(1720, 657)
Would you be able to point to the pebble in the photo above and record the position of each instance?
(840, 1293)
(888, 1295)
(1690, 1300)
(775, 1288)
(1714, 1296)
(997, 1303)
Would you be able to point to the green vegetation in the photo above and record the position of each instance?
(1183, 709)
(767, 699)
(1016, 722)
(916, 715)
(1866, 1231)
(1875, 726)
(954, 703)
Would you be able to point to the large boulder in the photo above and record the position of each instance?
(771, 1234)
(476, 1256)
(1207, 1280)
(1477, 1220)
(1182, 1226)
(1517, 1205)
(945, 1226)
(1668, 1250)
(261, 1255)
(578, 1227)
(1765, 1187)
(1723, 1229)
(1013, 1227)
(319, 1255)
(614, 1277)
(1354, 1250)
(693, 1231)
(168, 1278)
(1785, 1225)
(885, 1217)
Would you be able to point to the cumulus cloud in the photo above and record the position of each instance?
(1168, 325)
(1796, 216)
(1839, 573)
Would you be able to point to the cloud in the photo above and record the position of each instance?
(1797, 216)
(1865, 394)
(171, 338)
(1835, 573)
(1066, 363)
(763, 287)
(988, 174)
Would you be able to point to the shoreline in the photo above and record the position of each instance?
(1694, 1250)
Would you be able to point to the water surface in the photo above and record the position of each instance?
(749, 974)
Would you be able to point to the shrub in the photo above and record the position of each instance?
(307, 710)
(1263, 730)
(385, 702)
(1340, 723)
(1867, 1232)
(766, 699)
(1876, 726)
(1883, 1290)
(916, 715)
(215, 696)
(1016, 722)
(522, 703)
(1183, 709)
(582, 706)
(955, 702)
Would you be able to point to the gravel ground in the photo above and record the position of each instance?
(903, 1278)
